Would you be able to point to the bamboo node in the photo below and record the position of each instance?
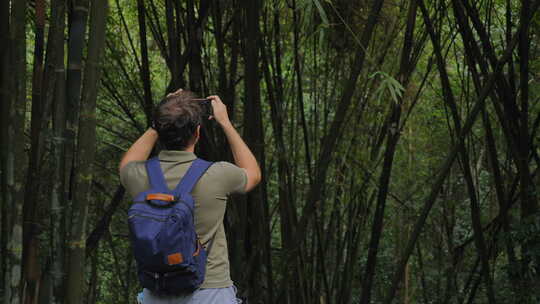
(74, 66)
(80, 9)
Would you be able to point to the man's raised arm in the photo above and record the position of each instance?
(141, 149)
(243, 157)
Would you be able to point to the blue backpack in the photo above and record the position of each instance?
(170, 257)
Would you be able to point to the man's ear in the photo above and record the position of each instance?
(197, 134)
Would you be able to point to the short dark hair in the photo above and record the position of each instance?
(176, 119)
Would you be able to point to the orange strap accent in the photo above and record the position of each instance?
(175, 258)
(160, 197)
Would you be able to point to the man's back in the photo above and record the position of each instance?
(210, 195)
(177, 124)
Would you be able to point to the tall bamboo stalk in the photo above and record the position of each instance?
(392, 138)
(31, 266)
(5, 97)
(55, 54)
(145, 65)
(86, 148)
(15, 155)
(76, 37)
(257, 240)
(528, 196)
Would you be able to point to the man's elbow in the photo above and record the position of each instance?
(257, 175)
(257, 178)
(253, 179)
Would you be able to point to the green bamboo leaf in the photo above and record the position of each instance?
(322, 12)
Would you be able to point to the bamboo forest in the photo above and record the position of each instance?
(398, 141)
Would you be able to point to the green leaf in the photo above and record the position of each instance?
(322, 13)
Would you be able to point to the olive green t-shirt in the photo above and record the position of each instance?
(210, 195)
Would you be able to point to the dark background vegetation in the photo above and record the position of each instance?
(398, 141)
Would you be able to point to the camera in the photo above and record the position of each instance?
(206, 106)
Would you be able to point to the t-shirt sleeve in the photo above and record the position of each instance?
(132, 177)
(232, 177)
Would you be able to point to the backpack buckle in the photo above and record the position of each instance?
(161, 197)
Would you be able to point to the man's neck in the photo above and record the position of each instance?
(190, 148)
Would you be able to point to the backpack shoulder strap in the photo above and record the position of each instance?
(155, 175)
(195, 171)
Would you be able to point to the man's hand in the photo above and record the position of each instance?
(219, 110)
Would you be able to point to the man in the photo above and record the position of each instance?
(177, 123)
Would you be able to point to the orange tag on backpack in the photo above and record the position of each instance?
(160, 197)
(175, 258)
